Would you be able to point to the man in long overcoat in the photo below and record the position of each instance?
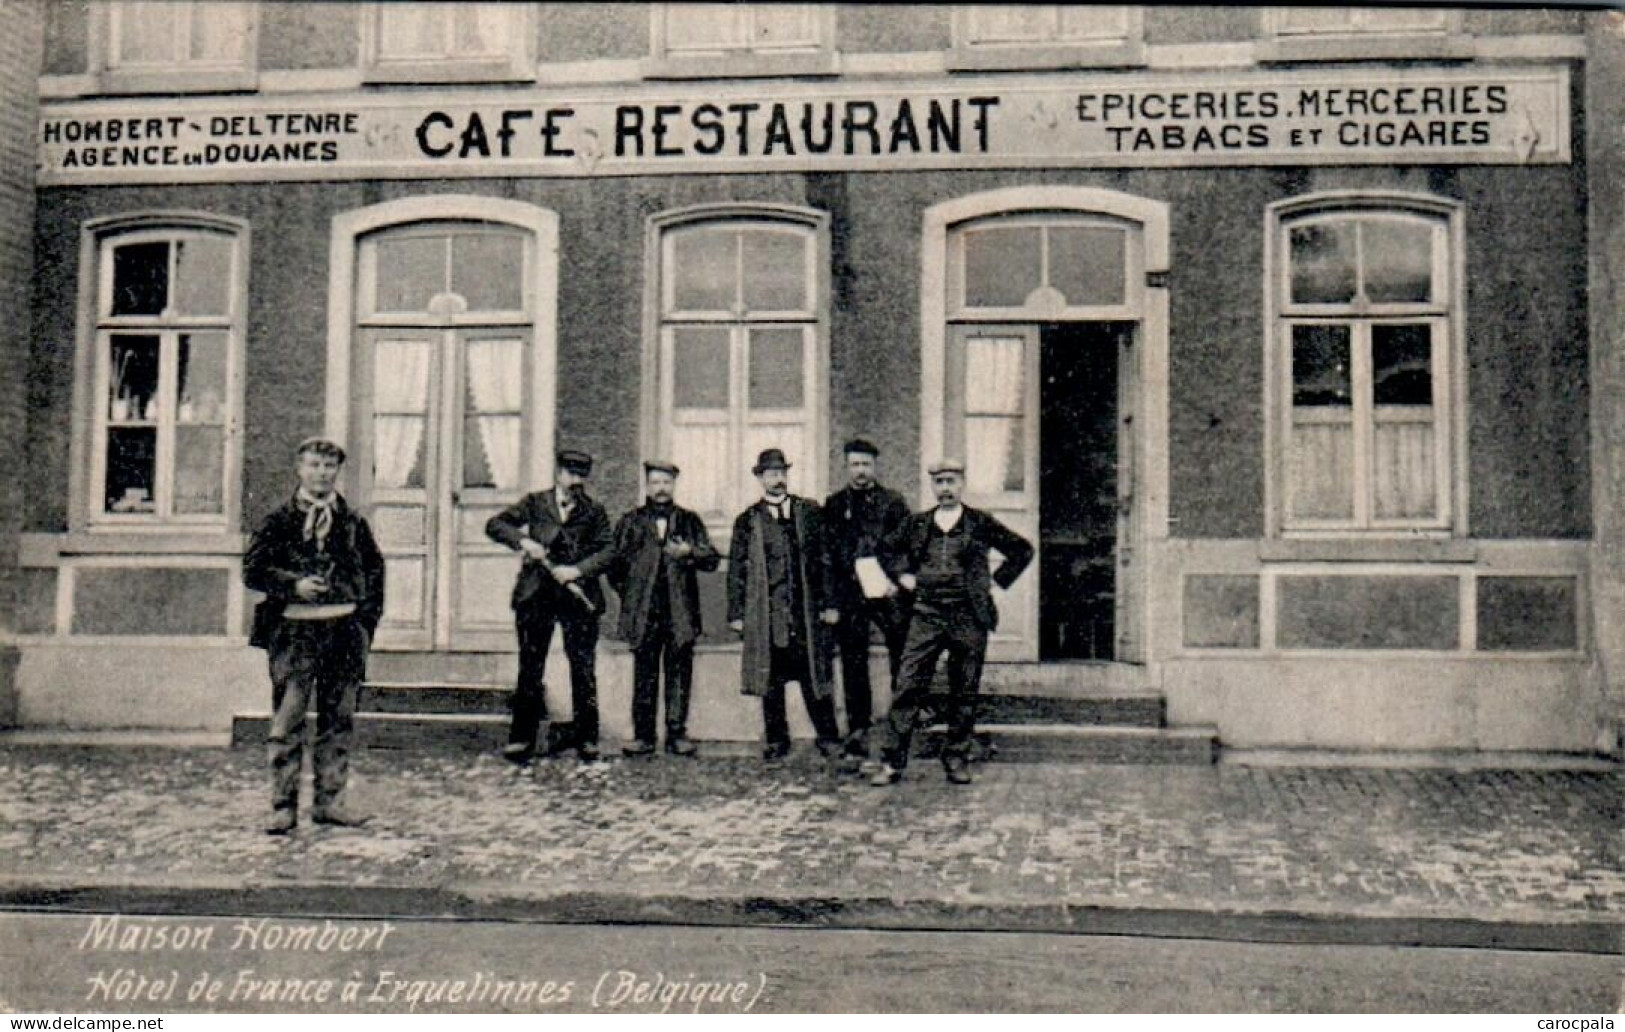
(659, 548)
(940, 556)
(565, 538)
(322, 574)
(778, 575)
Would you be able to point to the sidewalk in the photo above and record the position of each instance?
(1532, 858)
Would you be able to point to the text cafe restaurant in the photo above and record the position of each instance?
(1268, 326)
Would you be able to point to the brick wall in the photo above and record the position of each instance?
(21, 34)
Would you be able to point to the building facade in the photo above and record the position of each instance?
(1279, 331)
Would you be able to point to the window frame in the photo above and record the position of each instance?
(1446, 314)
(88, 445)
(173, 77)
(968, 55)
(740, 62)
(1281, 42)
(517, 64)
(660, 415)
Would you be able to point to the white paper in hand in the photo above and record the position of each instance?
(871, 578)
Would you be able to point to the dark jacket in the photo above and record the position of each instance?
(904, 551)
(748, 593)
(584, 541)
(639, 556)
(856, 522)
(278, 556)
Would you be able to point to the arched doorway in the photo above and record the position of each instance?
(441, 359)
(1044, 365)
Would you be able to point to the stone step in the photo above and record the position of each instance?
(1010, 743)
(1134, 710)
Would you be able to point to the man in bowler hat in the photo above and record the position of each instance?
(940, 556)
(659, 548)
(777, 599)
(322, 575)
(857, 519)
(564, 536)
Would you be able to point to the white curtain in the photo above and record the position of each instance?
(1322, 470)
(400, 394)
(1404, 470)
(494, 379)
(995, 374)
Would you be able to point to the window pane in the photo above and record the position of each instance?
(201, 379)
(491, 451)
(411, 30)
(705, 269)
(397, 451)
(995, 375)
(701, 452)
(775, 267)
(1323, 263)
(1087, 264)
(200, 462)
(1321, 369)
(203, 275)
(479, 30)
(141, 278)
(495, 373)
(493, 381)
(400, 375)
(700, 368)
(411, 271)
(132, 379)
(1403, 470)
(703, 27)
(220, 31)
(1012, 23)
(1402, 364)
(132, 464)
(784, 25)
(995, 454)
(1087, 22)
(776, 368)
(488, 270)
(1002, 266)
(146, 32)
(1398, 260)
(1320, 473)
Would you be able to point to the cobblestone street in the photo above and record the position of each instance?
(1388, 843)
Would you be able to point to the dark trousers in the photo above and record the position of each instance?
(535, 621)
(791, 664)
(320, 660)
(852, 634)
(659, 650)
(931, 631)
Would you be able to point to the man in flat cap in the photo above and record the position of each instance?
(659, 549)
(940, 557)
(857, 518)
(322, 575)
(777, 599)
(565, 538)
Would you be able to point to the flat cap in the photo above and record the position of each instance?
(860, 446)
(578, 462)
(321, 446)
(947, 466)
(659, 466)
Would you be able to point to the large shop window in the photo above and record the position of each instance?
(743, 39)
(1046, 35)
(1365, 356)
(165, 397)
(743, 324)
(448, 42)
(177, 44)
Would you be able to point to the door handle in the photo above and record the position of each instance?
(456, 498)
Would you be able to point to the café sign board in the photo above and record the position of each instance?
(1390, 116)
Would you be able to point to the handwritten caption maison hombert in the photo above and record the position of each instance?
(367, 984)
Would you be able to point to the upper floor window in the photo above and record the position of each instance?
(448, 42)
(749, 39)
(1352, 33)
(1046, 35)
(165, 374)
(150, 45)
(742, 333)
(1365, 367)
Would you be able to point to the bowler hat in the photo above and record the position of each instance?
(577, 462)
(659, 466)
(321, 446)
(770, 458)
(860, 446)
(947, 466)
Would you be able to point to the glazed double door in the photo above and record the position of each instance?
(442, 431)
